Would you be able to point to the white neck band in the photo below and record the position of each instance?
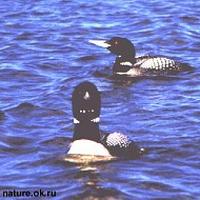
(95, 120)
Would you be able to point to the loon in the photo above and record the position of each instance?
(128, 64)
(87, 138)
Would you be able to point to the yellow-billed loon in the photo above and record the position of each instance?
(128, 64)
(87, 138)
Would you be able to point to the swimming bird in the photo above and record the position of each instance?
(87, 137)
(128, 64)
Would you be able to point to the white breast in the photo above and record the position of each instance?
(133, 72)
(88, 147)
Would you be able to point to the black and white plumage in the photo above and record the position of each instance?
(117, 140)
(87, 138)
(128, 64)
(158, 63)
(121, 145)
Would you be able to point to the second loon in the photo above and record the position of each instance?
(127, 64)
(87, 138)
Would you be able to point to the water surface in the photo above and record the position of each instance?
(45, 53)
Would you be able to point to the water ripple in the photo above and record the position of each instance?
(45, 53)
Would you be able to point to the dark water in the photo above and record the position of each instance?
(44, 53)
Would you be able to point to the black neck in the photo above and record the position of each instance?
(124, 58)
(86, 130)
(120, 68)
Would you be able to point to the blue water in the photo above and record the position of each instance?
(44, 53)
